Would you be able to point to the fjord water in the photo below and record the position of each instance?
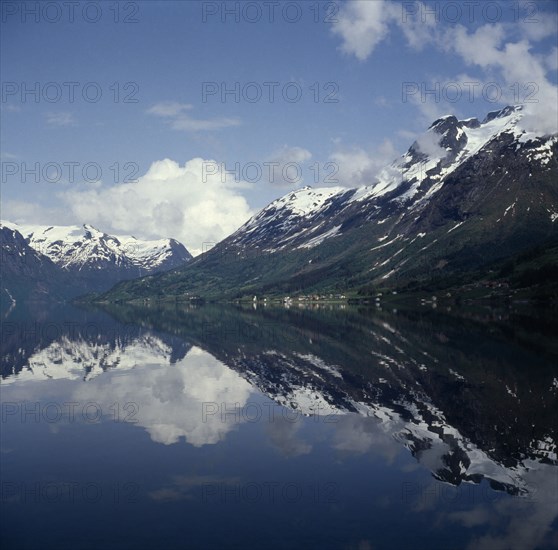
(332, 427)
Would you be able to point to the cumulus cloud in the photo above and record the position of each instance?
(503, 52)
(480, 47)
(362, 25)
(195, 203)
(359, 167)
(539, 26)
(177, 117)
(519, 69)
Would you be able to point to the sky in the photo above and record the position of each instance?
(183, 119)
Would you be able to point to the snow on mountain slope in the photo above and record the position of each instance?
(304, 202)
(85, 248)
(301, 213)
(79, 359)
(307, 217)
(312, 387)
(27, 274)
(446, 145)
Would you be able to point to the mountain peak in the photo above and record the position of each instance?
(87, 250)
(447, 119)
(92, 232)
(501, 113)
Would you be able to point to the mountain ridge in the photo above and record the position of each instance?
(465, 196)
(83, 258)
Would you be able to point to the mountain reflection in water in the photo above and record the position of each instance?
(447, 420)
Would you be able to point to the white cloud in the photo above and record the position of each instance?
(169, 108)
(287, 166)
(195, 204)
(429, 144)
(169, 394)
(519, 69)
(431, 109)
(551, 60)
(362, 25)
(417, 26)
(359, 167)
(60, 119)
(176, 115)
(480, 47)
(539, 25)
(170, 400)
(23, 212)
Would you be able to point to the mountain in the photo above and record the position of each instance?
(90, 259)
(27, 274)
(469, 200)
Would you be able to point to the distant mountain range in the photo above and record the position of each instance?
(470, 202)
(45, 262)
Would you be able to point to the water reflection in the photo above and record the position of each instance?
(451, 419)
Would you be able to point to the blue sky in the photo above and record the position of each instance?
(165, 54)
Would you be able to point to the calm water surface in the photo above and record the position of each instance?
(221, 427)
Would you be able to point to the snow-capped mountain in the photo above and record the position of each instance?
(464, 198)
(95, 260)
(25, 272)
(86, 248)
(307, 217)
